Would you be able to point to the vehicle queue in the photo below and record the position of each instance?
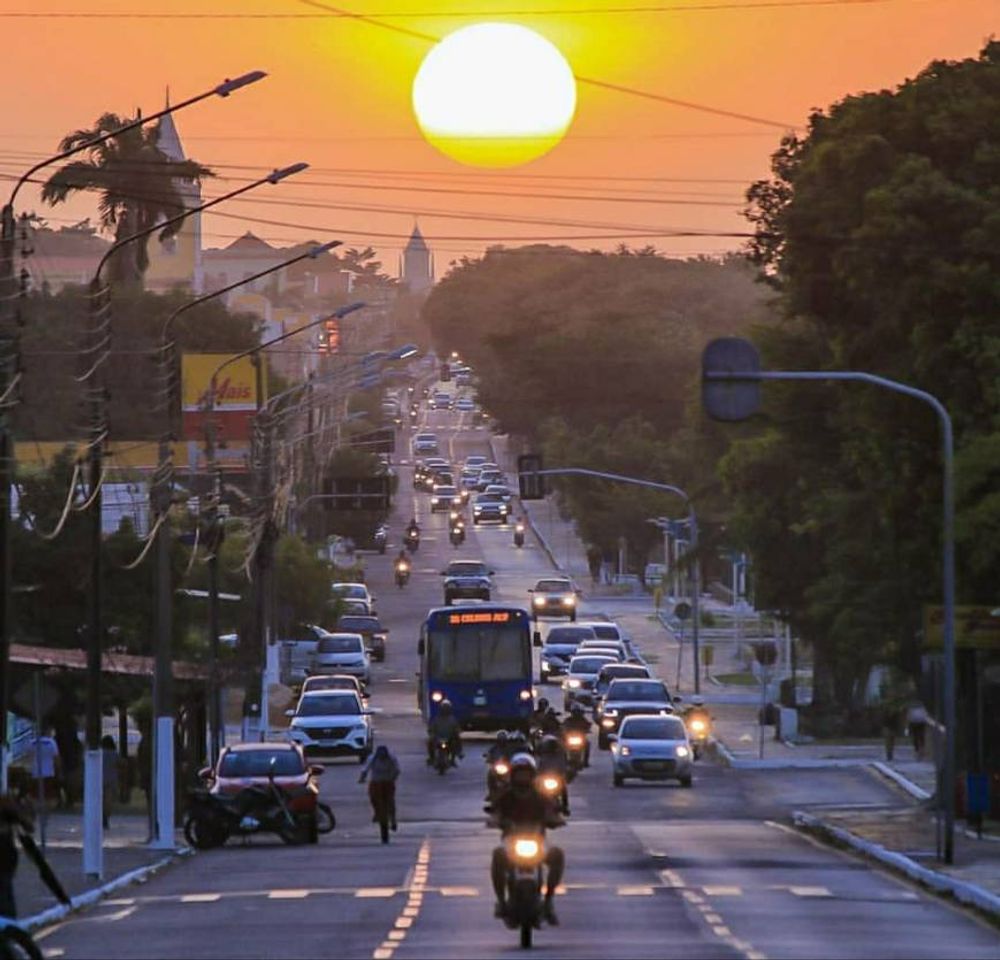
(476, 673)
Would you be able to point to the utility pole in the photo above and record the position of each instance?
(163, 708)
(263, 559)
(8, 353)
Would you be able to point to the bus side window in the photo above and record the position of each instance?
(420, 643)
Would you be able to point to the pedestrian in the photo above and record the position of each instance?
(383, 768)
(109, 773)
(916, 720)
(46, 769)
(67, 738)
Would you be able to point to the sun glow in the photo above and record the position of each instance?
(494, 95)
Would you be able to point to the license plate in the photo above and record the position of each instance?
(479, 701)
(654, 765)
(328, 743)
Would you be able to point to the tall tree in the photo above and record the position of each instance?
(137, 184)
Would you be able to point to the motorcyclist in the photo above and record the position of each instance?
(383, 768)
(499, 749)
(444, 726)
(538, 714)
(551, 758)
(413, 528)
(577, 722)
(402, 557)
(521, 804)
(551, 725)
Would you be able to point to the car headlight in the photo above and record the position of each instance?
(525, 694)
(437, 696)
(546, 665)
(608, 723)
(538, 601)
(569, 601)
(573, 684)
(477, 509)
(682, 752)
(625, 750)
(434, 500)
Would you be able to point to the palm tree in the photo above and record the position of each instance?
(138, 185)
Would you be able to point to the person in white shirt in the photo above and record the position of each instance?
(45, 765)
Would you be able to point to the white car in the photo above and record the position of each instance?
(343, 653)
(331, 722)
(465, 403)
(425, 443)
(474, 462)
(355, 591)
(650, 747)
(578, 687)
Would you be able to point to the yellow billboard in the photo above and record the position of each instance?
(235, 385)
(976, 627)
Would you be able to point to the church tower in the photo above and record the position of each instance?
(176, 261)
(417, 273)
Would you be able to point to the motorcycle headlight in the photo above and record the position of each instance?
(526, 848)
(525, 694)
(682, 752)
(437, 696)
(501, 769)
(574, 740)
(698, 726)
(551, 784)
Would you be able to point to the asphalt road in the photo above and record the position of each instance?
(653, 870)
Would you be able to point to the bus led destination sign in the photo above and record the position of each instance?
(489, 616)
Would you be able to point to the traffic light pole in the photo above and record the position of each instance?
(652, 485)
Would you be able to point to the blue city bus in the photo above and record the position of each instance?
(479, 658)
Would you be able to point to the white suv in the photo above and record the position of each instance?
(331, 722)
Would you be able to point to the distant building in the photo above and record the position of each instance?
(417, 268)
(243, 258)
(176, 261)
(68, 255)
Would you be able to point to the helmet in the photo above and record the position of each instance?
(523, 770)
(444, 707)
(548, 744)
(576, 710)
(697, 701)
(502, 736)
(518, 738)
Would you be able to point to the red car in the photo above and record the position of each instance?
(249, 764)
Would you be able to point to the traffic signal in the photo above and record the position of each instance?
(530, 482)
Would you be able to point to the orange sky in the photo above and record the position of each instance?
(338, 96)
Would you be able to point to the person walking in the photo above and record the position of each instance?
(383, 769)
(109, 772)
(890, 727)
(45, 766)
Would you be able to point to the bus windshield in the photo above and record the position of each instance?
(479, 653)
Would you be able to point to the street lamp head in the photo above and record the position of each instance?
(228, 86)
(324, 248)
(286, 172)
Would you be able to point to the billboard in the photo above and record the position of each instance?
(234, 407)
(976, 627)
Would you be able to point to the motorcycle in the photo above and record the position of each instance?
(402, 573)
(518, 534)
(381, 538)
(576, 752)
(457, 534)
(524, 904)
(212, 819)
(497, 779)
(443, 756)
(412, 540)
(699, 729)
(553, 786)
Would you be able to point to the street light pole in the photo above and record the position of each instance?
(8, 292)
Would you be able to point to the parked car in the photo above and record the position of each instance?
(371, 628)
(651, 748)
(343, 653)
(331, 722)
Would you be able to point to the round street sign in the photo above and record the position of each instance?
(682, 611)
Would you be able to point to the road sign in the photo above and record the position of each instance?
(975, 627)
(531, 485)
(730, 400)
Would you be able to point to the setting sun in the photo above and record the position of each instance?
(494, 95)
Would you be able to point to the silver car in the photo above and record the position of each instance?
(651, 747)
(578, 687)
(343, 653)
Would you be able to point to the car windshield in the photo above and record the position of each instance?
(353, 591)
(554, 586)
(637, 690)
(313, 684)
(570, 635)
(475, 653)
(587, 664)
(652, 728)
(321, 705)
(622, 670)
(444, 491)
(359, 624)
(257, 763)
(606, 631)
(467, 568)
(340, 645)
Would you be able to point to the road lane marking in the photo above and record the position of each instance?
(201, 897)
(459, 891)
(635, 891)
(713, 918)
(396, 935)
(408, 915)
(691, 896)
(410, 911)
(810, 891)
(53, 953)
(671, 879)
(373, 892)
(723, 891)
(404, 923)
(383, 953)
(287, 894)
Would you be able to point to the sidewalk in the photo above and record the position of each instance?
(125, 850)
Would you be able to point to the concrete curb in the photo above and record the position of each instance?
(90, 897)
(969, 894)
(904, 782)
